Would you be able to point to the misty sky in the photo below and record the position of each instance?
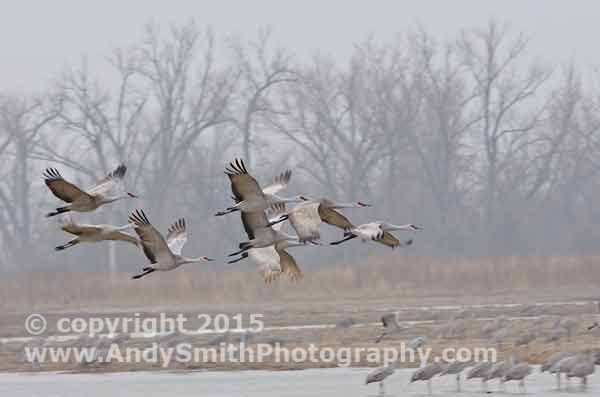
(38, 38)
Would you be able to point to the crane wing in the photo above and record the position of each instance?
(110, 181)
(69, 226)
(391, 241)
(154, 245)
(273, 213)
(334, 218)
(66, 191)
(279, 182)
(289, 267)
(253, 221)
(243, 185)
(177, 236)
(305, 220)
(267, 262)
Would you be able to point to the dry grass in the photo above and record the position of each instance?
(381, 277)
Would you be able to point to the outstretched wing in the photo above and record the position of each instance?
(243, 185)
(153, 243)
(109, 182)
(253, 221)
(274, 212)
(306, 220)
(289, 267)
(334, 218)
(177, 236)
(62, 189)
(391, 241)
(266, 260)
(279, 182)
(68, 225)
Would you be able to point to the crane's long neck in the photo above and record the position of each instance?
(107, 200)
(127, 226)
(201, 259)
(346, 205)
(389, 228)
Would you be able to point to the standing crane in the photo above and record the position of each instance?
(426, 373)
(86, 200)
(164, 255)
(379, 375)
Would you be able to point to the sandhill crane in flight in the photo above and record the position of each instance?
(95, 233)
(86, 200)
(163, 255)
(378, 232)
(248, 194)
(272, 261)
(307, 216)
(259, 232)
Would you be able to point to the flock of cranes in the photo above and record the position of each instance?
(262, 210)
(571, 365)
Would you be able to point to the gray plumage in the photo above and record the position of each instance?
(345, 323)
(583, 368)
(563, 366)
(518, 372)
(525, 339)
(426, 373)
(379, 375)
(480, 371)
(455, 368)
(417, 342)
(553, 359)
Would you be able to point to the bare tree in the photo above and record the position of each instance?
(263, 70)
(506, 99)
(191, 97)
(21, 121)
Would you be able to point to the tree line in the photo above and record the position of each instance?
(491, 151)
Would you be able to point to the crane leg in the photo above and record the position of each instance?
(144, 273)
(276, 221)
(227, 211)
(241, 250)
(558, 381)
(59, 210)
(429, 387)
(349, 237)
(458, 382)
(243, 256)
(67, 245)
(381, 388)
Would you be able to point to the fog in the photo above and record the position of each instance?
(476, 121)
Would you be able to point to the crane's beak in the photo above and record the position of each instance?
(132, 195)
(207, 259)
(360, 203)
